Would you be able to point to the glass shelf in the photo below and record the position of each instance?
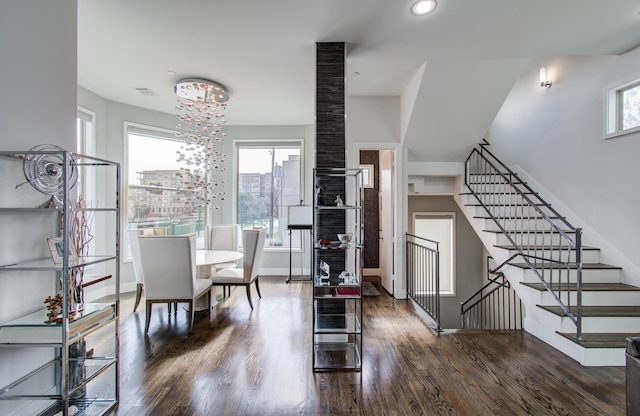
(46, 264)
(347, 323)
(337, 355)
(33, 329)
(92, 368)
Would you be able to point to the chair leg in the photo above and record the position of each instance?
(249, 295)
(258, 289)
(148, 317)
(192, 314)
(138, 296)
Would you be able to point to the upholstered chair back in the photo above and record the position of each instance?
(135, 254)
(168, 266)
(252, 247)
(222, 237)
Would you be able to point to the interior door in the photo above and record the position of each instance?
(387, 237)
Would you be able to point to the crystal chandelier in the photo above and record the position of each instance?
(200, 110)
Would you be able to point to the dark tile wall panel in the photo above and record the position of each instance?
(330, 105)
(372, 213)
(330, 153)
(330, 136)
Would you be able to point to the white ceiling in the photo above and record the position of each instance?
(264, 51)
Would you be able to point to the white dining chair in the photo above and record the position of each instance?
(137, 267)
(223, 237)
(169, 273)
(252, 246)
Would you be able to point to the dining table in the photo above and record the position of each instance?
(205, 259)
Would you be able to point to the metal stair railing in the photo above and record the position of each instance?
(494, 306)
(423, 275)
(547, 243)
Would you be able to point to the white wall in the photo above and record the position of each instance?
(372, 119)
(556, 137)
(38, 102)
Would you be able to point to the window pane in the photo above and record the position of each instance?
(268, 180)
(439, 228)
(631, 107)
(157, 201)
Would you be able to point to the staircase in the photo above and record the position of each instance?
(572, 301)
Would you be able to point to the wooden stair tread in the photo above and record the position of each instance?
(597, 311)
(516, 217)
(589, 266)
(586, 287)
(510, 247)
(505, 205)
(601, 340)
(498, 193)
(549, 232)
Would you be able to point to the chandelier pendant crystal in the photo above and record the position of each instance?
(201, 106)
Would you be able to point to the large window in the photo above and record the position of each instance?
(268, 182)
(440, 227)
(623, 109)
(156, 200)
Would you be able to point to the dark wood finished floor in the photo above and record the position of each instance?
(243, 362)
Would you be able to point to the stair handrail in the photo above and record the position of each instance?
(522, 194)
(576, 244)
(429, 301)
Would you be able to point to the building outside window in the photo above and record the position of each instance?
(268, 179)
(157, 199)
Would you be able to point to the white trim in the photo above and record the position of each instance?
(611, 110)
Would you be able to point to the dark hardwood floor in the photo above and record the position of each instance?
(242, 362)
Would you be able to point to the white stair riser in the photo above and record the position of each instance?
(521, 224)
(503, 198)
(589, 323)
(519, 211)
(588, 276)
(536, 239)
(588, 256)
(484, 189)
(603, 324)
(594, 298)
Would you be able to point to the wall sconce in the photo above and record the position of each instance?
(544, 82)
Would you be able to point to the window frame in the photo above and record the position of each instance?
(614, 108)
(155, 133)
(451, 216)
(86, 144)
(235, 185)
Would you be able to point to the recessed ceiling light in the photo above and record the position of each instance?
(422, 7)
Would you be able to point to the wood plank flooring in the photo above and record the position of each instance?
(242, 362)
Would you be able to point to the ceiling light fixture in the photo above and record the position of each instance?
(201, 104)
(423, 7)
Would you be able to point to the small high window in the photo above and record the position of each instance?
(623, 109)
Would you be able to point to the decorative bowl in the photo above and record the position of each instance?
(345, 238)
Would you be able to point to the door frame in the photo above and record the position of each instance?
(399, 202)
